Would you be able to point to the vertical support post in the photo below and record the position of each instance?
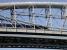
(30, 13)
(49, 22)
(33, 14)
(50, 16)
(47, 16)
(15, 16)
(65, 18)
(46, 12)
(50, 10)
(62, 13)
(65, 14)
(12, 16)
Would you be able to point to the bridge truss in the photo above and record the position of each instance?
(39, 17)
(33, 20)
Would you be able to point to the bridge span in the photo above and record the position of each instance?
(33, 24)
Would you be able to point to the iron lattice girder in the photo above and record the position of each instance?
(14, 42)
(31, 6)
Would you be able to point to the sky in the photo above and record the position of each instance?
(33, 0)
(29, 1)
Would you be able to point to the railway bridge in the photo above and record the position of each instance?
(33, 25)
